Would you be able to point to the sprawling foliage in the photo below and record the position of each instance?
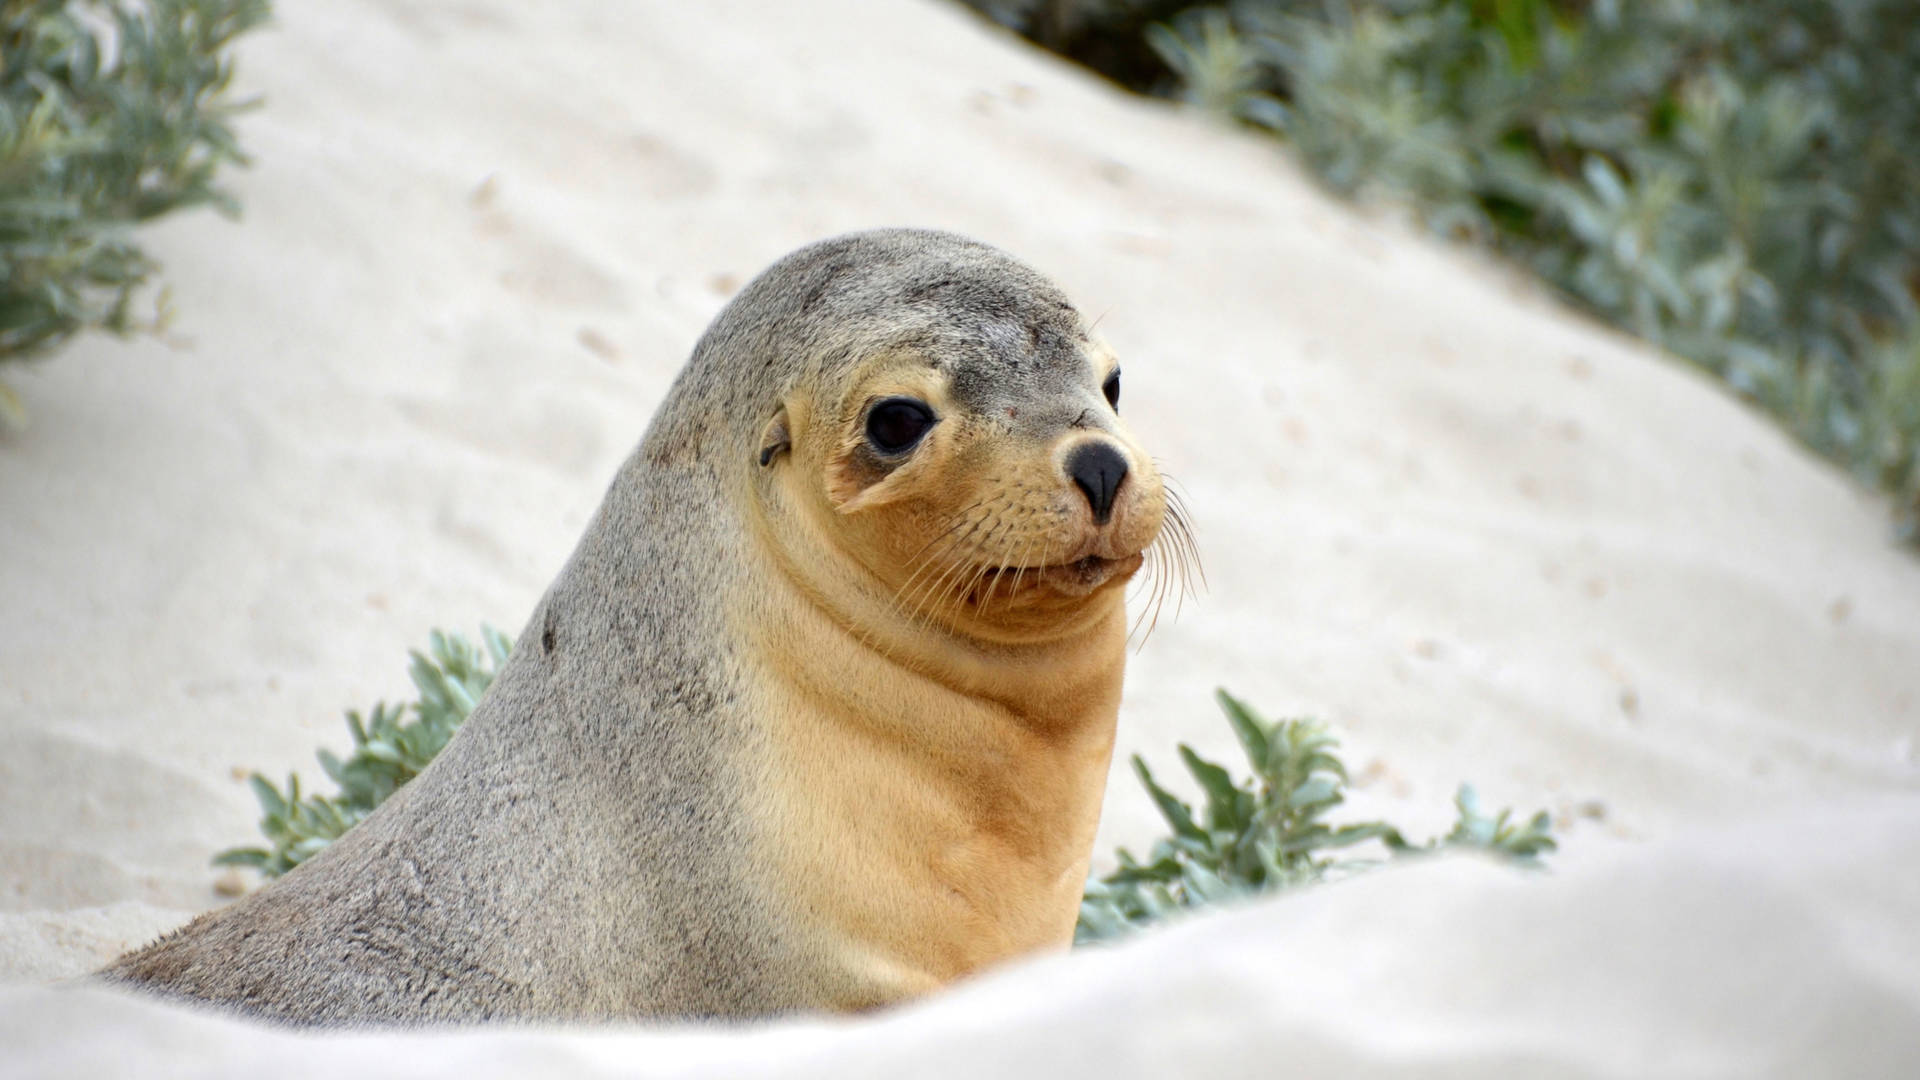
(1268, 831)
(390, 747)
(1739, 183)
(112, 113)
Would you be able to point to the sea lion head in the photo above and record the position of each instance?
(944, 430)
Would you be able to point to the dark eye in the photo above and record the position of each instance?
(1111, 388)
(897, 424)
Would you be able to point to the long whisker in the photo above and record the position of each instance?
(1159, 568)
(908, 601)
(1020, 568)
(1181, 520)
(927, 557)
(914, 599)
(981, 570)
(930, 559)
(928, 601)
(1046, 552)
(962, 518)
(989, 578)
(971, 587)
(1152, 577)
(944, 597)
(1173, 561)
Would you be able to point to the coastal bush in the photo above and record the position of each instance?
(1737, 183)
(391, 744)
(1255, 835)
(112, 113)
(1268, 831)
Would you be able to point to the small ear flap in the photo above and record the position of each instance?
(774, 439)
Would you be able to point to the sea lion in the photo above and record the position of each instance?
(818, 714)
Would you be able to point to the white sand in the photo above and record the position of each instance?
(1486, 539)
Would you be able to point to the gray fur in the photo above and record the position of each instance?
(577, 851)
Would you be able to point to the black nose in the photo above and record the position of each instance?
(1098, 468)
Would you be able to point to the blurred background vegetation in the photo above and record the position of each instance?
(112, 113)
(1738, 182)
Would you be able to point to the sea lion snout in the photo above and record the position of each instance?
(1098, 470)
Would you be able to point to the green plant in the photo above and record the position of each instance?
(1734, 182)
(390, 747)
(1268, 831)
(112, 113)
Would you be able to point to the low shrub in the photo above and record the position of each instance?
(1269, 831)
(391, 744)
(112, 113)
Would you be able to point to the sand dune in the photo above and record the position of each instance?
(1486, 539)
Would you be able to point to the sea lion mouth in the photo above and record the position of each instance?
(1076, 578)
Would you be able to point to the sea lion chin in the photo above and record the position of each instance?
(816, 717)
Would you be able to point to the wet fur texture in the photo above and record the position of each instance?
(799, 726)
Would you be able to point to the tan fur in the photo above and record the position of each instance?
(799, 726)
(935, 793)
